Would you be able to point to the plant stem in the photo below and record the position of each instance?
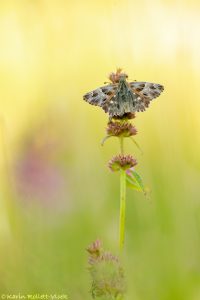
(122, 201)
(122, 208)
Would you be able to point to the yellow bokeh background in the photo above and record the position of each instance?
(53, 52)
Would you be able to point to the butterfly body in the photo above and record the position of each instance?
(123, 101)
(122, 97)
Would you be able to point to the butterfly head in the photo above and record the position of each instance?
(123, 77)
(118, 76)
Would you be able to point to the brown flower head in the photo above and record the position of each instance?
(123, 129)
(121, 161)
(114, 77)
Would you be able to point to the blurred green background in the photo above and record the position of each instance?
(57, 194)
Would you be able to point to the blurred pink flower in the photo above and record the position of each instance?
(38, 178)
(37, 173)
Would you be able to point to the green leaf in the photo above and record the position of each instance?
(131, 183)
(135, 182)
(138, 179)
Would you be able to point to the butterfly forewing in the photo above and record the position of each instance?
(146, 92)
(101, 95)
(146, 89)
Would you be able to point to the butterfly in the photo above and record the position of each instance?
(121, 97)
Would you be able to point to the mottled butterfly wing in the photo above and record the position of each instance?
(120, 98)
(101, 96)
(146, 92)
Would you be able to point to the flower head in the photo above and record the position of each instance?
(106, 272)
(121, 161)
(123, 129)
(115, 77)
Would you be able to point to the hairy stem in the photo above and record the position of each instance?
(122, 201)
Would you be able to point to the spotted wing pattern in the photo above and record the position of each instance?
(136, 97)
(101, 96)
(146, 92)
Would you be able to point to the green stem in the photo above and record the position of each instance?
(122, 201)
(122, 208)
